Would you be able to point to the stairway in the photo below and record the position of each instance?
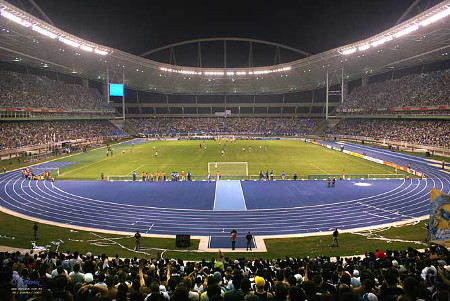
(124, 126)
(325, 125)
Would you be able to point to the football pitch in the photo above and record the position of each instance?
(193, 156)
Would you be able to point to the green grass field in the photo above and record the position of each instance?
(288, 155)
(285, 155)
(19, 233)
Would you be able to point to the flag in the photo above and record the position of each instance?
(439, 217)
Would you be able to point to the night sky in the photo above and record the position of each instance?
(140, 25)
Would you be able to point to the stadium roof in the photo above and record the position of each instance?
(30, 41)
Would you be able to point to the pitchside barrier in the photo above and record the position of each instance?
(358, 176)
(274, 178)
(379, 161)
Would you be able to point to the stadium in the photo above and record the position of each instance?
(220, 166)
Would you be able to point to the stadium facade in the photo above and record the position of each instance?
(311, 86)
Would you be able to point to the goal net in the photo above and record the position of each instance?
(122, 178)
(228, 168)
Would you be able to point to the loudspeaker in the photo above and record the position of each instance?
(183, 240)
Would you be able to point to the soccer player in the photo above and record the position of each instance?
(182, 175)
(271, 175)
(157, 176)
(215, 165)
(283, 175)
(261, 176)
(189, 175)
(295, 176)
(102, 176)
(223, 153)
(209, 177)
(156, 154)
(123, 152)
(112, 152)
(163, 176)
(218, 175)
(134, 176)
(260, 147)
(204, 148)
(144, 176)
(343, 174)
(333, 182)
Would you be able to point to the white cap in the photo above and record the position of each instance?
(370, 297)
(88, 277)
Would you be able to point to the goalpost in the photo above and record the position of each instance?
(228, 168)
(122, 178)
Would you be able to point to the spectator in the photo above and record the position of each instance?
(421, 132)
(414, 90)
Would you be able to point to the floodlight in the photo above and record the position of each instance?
(15, 18)
(44, 31)
(436, 17)
(406, 31)
(363, 47)
(69, 42)
(101, 52)
(349, 51)
(382, 41)
(86, 48)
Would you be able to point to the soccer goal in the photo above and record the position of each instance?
(228, 168)
(122, 178)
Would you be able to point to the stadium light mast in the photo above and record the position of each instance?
(327, 96)
(123, 97)
(115, 81)
(339, 92)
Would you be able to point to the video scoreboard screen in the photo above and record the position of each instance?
(115, 89)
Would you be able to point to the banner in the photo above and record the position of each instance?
(439, 217)
(227, 113)
(379, 161)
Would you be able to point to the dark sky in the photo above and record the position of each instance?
(136, 26)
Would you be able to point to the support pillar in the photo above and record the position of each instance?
(365, 81)
(326, 100)
(85, 83)
(105, 90)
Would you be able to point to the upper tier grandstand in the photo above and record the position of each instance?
(303, 161)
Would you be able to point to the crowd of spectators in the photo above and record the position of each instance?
(414, 90)
(18, 90)
(407, 275)
(239, 126)
(421, 132)
(14, 134)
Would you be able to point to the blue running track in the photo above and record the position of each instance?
(273, 208)
(229, 196)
